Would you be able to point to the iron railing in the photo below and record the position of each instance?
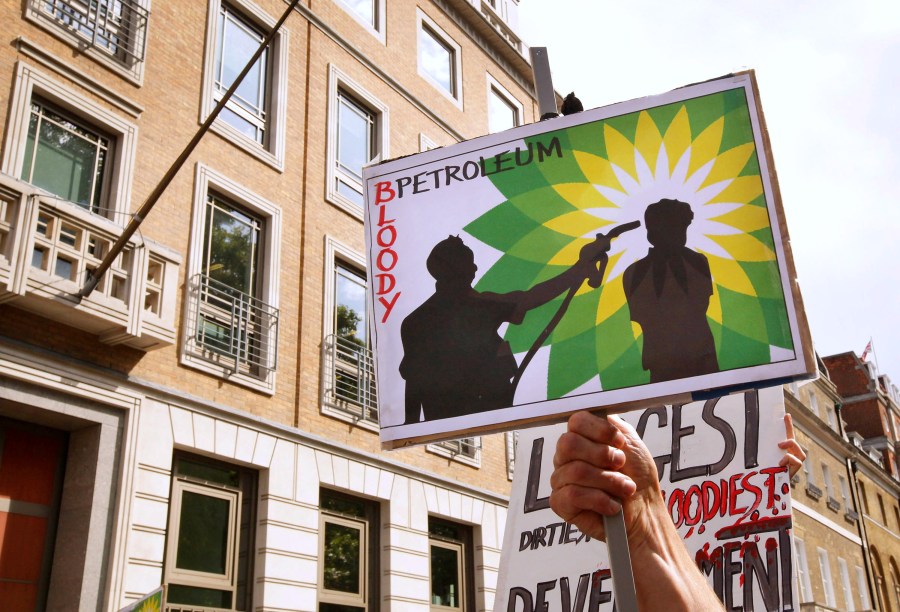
(236, 326)
(117, 27)
(349, 371)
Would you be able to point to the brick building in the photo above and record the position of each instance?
(206, 418)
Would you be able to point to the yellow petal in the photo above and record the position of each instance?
(706, 146)
(743, 189)
(647, 140)
(746, 218)
(576, 223)
(677, 138)
(597, 170)
(568, 255)
(729, 274)
(730, 163)
(636, 330)
(744, 247)
(583, 195)
(611, 300)
(619, 150)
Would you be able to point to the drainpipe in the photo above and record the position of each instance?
(861, 524)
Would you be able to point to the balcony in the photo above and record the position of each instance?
(851, 515)
(231, 329)
(813, 491)
(349, 379)
(47, 247)
(114, 28)
(833, 504)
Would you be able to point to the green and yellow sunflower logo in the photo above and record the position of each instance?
(700, 151)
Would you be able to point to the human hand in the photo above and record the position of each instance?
(793, 454)
(601, 466)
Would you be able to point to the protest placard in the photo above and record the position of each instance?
(620, 257)
(726, 494)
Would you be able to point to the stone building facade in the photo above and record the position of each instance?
(206, 417)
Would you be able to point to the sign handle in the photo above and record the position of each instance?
(620, 561)
(616, 537)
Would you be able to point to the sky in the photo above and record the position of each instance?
(829, 80)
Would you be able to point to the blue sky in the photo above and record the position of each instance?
(828, 79)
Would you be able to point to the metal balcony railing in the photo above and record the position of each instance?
(235, 326)
(117, 27)
(349, 371)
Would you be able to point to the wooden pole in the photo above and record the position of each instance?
(94, 276)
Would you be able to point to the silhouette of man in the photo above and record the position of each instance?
(668, 294)
(454, 361)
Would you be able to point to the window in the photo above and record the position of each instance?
(439, 59)
(813, 401)
(209, 544)
(451, 566)
(348, 540)
(504, 111)
(464, 450)
(845, 585)
(357, 134)
(348, 365)
(845, 492)
(232, 313)
(355, 146)
(369, 14)
(512, 443)
(881, 506)
(253, 118)
(862, 588)
(825, 570)
(830, 416)
(865, 499)
(66, 157)
(826, 477)
(113, 32)
(238, 40)
(65, 144)
(802, 570)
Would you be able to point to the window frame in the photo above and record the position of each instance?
(337, 253)
(846, 588)
(338, 81)
(803, 578)
(424, 22)
(446, 449)
(494, 88)
(132, 71)
(244, 492)
(827, 581)
(209, 181)
(465, 569)
(377, 27)
(272, 150)
(31, 84)
(368, 552)
(195, 578)
(862, 586)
